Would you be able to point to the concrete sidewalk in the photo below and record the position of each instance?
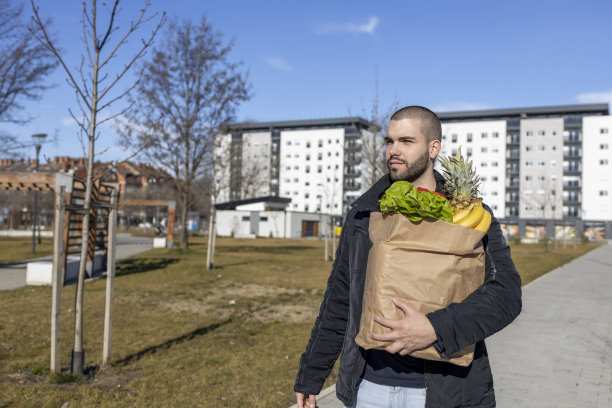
(558, 352)
(13, 276)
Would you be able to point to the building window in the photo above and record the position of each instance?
(483, 164)
(454, 138)
(541, 163)
(469, 151)
(553, 148)
(527, 148)
(603, 193)
(495, 135)
(603, 162)
(541, 148)
(541, 178)
(527, 178)
(454, 151)
(288, 142)
(307, 144)
(528, 163)
(484, 136)
(320, 143)
(529, 133)
(307, 157)
(542, 132)
(494, 178)
(603, 146)
(306, 195)
(603, 130)
(494, 164)
(494, 193)
(469, 137)
(483, 149)
(246, 218)
(319, 169)
(307, 169)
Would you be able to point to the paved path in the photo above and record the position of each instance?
(13, 276)
(558, 352)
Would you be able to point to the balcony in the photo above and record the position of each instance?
(572, 122)
(350, 174)
(572, 155)
(355, 187)
(512, 184)
(572, 186)
(572, 139)
(352, 147)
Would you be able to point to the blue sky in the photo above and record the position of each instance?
(319, 59)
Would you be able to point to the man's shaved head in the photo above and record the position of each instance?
(430, 124)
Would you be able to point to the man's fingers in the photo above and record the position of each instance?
(392, 324)
(403, 305)
(394, 347)
(384, 336)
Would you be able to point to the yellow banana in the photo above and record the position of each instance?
(474, 218)
(484, 224)
(460, 215)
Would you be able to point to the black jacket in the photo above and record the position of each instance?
(489, 309)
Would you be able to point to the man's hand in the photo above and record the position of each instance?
(413, 332)
(305, 400)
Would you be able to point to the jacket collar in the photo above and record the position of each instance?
(369, 201)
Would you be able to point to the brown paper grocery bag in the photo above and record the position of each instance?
(429, 264)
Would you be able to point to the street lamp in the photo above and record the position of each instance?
(38, 140)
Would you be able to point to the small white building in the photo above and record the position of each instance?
(267, 217)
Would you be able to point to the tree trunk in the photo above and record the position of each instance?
(184, 209)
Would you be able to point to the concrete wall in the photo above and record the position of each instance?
(274, 224)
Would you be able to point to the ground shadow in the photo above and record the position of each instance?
(170, 343)
(139, 265)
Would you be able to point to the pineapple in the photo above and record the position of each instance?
(461, 188)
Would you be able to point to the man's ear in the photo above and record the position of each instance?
(434, 148)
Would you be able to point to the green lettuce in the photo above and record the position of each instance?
(402, 198)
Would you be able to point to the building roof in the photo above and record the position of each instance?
(231, 205)
(299, 124)
(513, 113)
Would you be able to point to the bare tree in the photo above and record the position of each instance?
(24, 66)
(189, 89)
(94, 83)
(373, 163)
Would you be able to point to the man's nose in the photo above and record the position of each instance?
(393, 150)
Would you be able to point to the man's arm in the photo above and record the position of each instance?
(490, 308)
(327, 334)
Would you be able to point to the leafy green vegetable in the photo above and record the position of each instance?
(415, 204)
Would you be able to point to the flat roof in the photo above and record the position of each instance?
(293, 124)
(558, 110)
(231, 205)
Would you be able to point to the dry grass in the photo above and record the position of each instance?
(184, 336)
(20, 248)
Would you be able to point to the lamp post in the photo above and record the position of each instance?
(38, 139)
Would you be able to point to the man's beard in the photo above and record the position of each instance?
(411, 171)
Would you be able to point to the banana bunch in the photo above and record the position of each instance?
(473, 216)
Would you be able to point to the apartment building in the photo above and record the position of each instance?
(315, 163)
(555, 164)
(543, 169)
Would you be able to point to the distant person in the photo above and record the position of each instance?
(390, 377)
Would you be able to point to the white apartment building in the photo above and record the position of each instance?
(485, 144)
(315, 163)
(541, 167)
(596, 187)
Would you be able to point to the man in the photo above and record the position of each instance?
(390, 377)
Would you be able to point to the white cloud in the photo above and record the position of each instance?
(452, 106)
(595, 97)
(352, 28)
(68, 121)
(279, 63)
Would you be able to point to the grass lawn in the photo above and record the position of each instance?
(184, 336)
(20, 248)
